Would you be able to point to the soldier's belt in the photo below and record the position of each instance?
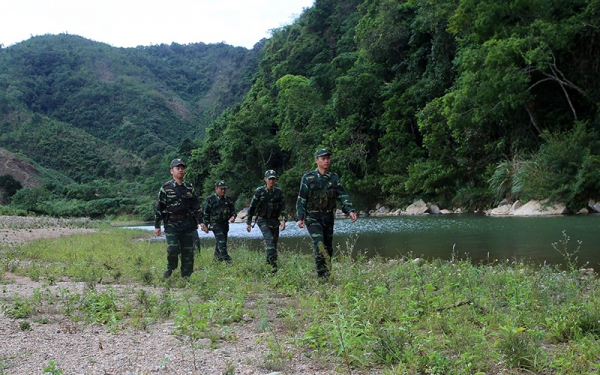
(320, 211)
(178, 216)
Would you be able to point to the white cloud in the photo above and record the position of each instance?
(129, 23)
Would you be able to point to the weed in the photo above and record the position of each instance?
(52, 369)
(519, 347)
(25, 326)
(570, 257)
(20, 308)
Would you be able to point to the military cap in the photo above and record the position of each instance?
(322, 152)
(221, 184)
(270, 174)
(176, 162)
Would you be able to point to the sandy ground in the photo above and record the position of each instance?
(79, 348)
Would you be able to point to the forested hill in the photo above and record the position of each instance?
(95, 111)
(459, 102)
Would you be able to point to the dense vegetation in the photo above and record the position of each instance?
(394, 317)
(110, 116)
(459, 102)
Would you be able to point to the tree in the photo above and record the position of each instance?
(9, 186)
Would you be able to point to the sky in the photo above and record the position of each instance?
(131, 23)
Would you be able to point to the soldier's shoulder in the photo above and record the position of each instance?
(188, 184)
(168, 184)
(310, 174)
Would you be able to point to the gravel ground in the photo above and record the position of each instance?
(77, 348)
(92, 349)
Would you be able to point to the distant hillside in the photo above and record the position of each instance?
(28, 172)
(70, 103)
(22, 170)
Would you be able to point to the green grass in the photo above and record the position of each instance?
(383, 316)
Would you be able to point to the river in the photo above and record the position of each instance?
(477, 237)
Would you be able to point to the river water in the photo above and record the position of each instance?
(477, 237)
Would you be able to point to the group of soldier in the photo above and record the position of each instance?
(181, 213)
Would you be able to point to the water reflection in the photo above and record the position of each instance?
(443, 236)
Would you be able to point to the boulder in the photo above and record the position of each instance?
(595, 206)
(446, 212)
(433, 209)
(515, 206)
(397, 212)
(417, 208)
(538, 208)
(502, 209)
(242, 215)
(340, 214)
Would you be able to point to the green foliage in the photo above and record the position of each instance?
(9, 186)
(459, 102)
(20, 308)
(52, 369)
(388, 316)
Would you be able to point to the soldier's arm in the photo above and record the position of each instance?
(160, 207)
(301, 201)
(206, 211)
(252, 209)
(232, 209)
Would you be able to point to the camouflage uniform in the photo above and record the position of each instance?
(316, 204)
(178, 208)
(268, 206)
(217, 213)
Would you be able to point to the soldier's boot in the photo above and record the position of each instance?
(273, 263)
(167, 273)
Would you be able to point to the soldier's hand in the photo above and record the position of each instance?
(204, 228)
(157, 232)
(232, 219)
(282, 225)
(301, 223)
(248, 228)
(353, 216)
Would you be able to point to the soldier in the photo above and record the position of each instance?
(219, 211)
(320, 190)
(178, 208)
(268, 204)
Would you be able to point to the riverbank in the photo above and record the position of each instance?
(96, 303)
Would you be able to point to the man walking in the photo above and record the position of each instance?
(320, 191)
(219, 211)
(178, 208)
(268, 204)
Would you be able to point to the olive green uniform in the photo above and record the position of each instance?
(178, 208)
(217, 213)
(316, 204)
(268, 206)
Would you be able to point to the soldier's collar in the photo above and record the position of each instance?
(326, 174)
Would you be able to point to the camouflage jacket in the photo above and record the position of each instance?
(269, 204)
(321, 193)
(178, 206)
(218, 210)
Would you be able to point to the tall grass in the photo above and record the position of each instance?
(397, 316)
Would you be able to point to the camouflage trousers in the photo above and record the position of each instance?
(270, 232)
(320, 228)
(220, 231)
(180, 244)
